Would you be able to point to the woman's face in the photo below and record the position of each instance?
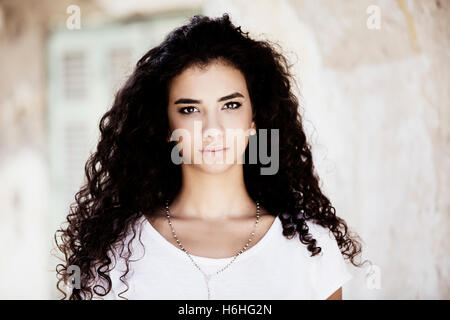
(210, 109)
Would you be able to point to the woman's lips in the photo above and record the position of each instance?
(214, 150)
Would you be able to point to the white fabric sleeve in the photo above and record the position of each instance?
(329, 269)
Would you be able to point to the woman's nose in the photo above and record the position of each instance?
(212, 129)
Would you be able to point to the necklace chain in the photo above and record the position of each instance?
(208, 276)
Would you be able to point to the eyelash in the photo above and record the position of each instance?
(237, 103)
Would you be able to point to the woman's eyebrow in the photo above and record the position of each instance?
(228, 97)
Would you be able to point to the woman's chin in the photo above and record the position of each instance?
(213, 168)
(213, 163)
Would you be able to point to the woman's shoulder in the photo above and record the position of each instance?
(328, 268)
(323, 236)
(316, 229)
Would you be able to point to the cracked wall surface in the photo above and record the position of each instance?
(376, 105)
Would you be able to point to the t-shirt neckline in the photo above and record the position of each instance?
(214, 261)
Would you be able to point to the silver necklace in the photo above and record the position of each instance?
(207, 277)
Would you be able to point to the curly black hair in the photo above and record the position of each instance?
(131, 171)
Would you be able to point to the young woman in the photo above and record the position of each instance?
(213, 225)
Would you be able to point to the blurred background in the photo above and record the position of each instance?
(373, 81)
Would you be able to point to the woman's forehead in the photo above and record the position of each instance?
(211, 82)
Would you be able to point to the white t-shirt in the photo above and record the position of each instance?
(275, 268)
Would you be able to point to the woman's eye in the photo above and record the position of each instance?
(236, 105)
(187, 110)
(230, 105)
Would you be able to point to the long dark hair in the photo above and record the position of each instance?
(131, 171)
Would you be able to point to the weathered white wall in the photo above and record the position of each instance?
(24, 232)
(376, 107)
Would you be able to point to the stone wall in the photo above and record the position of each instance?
(376, 105)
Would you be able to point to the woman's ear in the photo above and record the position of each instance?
(253, 128)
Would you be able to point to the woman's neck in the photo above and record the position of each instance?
(213, 196)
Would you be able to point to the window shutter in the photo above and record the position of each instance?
(85, 69)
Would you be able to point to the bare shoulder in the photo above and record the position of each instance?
(158, 214)
(319, 232)
(214, 238)
(228, 227)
